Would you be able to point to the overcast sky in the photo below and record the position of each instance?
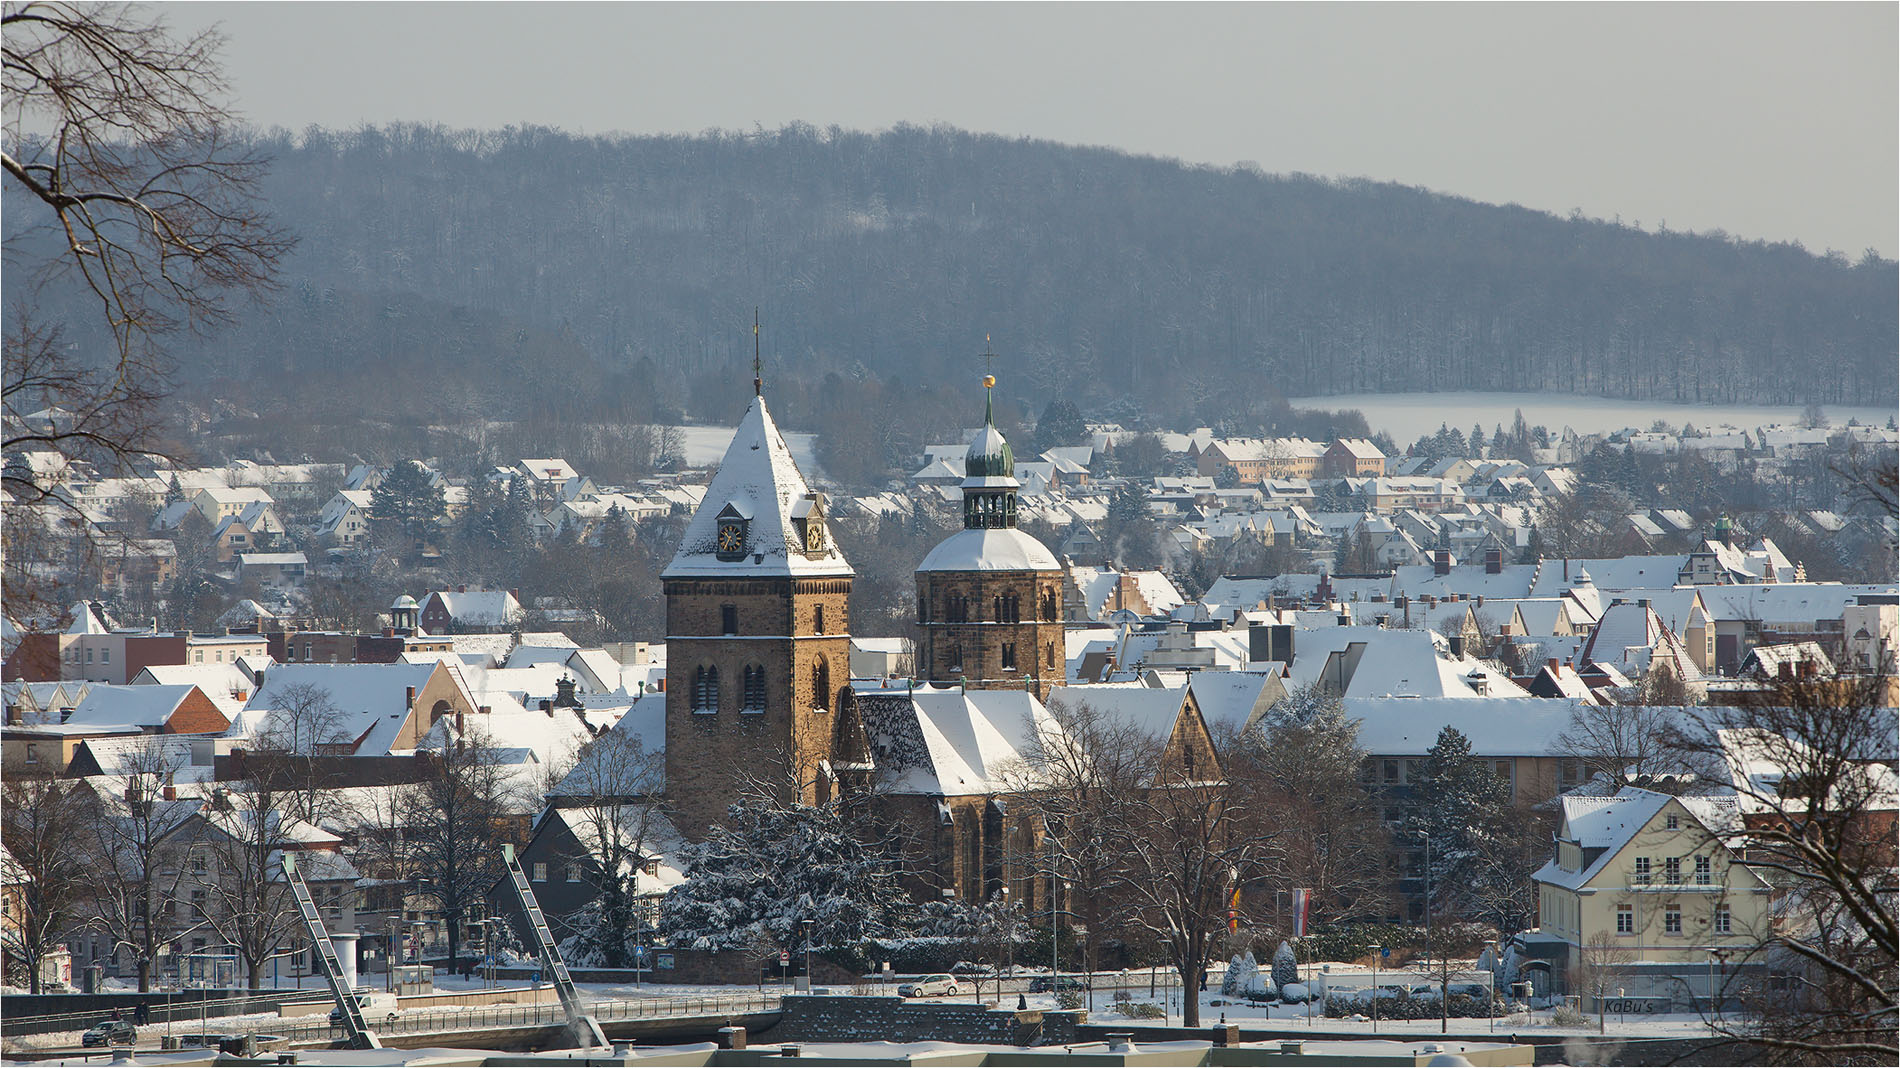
(1765, 120)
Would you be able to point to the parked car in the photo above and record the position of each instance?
(114, 1032)
(931, 986)
(1042, 984)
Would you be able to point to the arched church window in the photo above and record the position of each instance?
(1049, 605)
(821, 685)
(754, 689)
(706, 688)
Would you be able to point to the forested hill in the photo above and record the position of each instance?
(529, 259)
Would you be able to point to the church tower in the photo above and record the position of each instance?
(989, 598)
(758, 643)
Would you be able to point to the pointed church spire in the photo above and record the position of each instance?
(758, 369)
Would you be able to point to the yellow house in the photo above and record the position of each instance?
(1651, 885)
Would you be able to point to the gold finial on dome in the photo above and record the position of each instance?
(989, 381)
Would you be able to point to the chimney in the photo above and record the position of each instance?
(1441, 562)
(516, 594)
(1642, 602)
(389, 632)
(1552, 664)
(463, 588)
(1494, 561)
(408, 697)
(1456, 643)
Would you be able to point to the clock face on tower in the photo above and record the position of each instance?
(814, 535)
(732, 537)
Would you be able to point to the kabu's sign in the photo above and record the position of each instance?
(1634, 1006)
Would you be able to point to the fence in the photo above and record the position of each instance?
(162, 1006)
(524, 1017)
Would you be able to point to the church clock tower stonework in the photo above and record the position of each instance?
(758, 644)
(989, 597)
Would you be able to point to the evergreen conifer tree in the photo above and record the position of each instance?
(1286, 966)
(1459, 802)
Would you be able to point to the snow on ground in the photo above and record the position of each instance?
(1409, 416)
(1137, 983)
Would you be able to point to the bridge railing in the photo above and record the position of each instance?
(508, 1017)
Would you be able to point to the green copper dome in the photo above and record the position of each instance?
(989, 455)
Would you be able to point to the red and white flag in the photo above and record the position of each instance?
(1302, 901)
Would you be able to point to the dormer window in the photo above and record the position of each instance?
(808, 523)
(730, 543)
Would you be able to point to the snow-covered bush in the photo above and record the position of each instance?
(1286, 967)
(1294, 993)
(1243, 974)
(1407, 1007)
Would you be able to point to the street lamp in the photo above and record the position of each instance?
(1715, 998)
(1444, 1008)
(807, 924)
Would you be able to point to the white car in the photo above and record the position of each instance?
(931, 986)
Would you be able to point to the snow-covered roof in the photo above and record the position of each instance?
(480, 607)
(1630, 634)
(1771, 659)
(1000, 549)
(370, 699)
(1499, 727)
(130, 707)
(1785, 602)
(271, 559)
(759, 478)
(643, 723)
(1418, 580)
(641, 829)
(1150, 710)
(1228, 699)
(948, 741)
(1609, 823)
(86, 620)
(553, 736)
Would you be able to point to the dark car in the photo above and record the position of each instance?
(1042, 984)
(110, 1033)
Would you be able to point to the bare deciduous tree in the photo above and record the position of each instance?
(1601, 967)
(138, 872)
(246, 901)
(142, 197)
(295, 747)
(41, 821)
(1074, 778)
(1621, 744)
(1186, 844)
(1811, 762)
(457, 819)
(1302, 773)
(612, 796)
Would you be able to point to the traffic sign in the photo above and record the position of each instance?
(784, 957)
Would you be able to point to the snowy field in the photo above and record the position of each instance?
(1410, 416)
(705, 445)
